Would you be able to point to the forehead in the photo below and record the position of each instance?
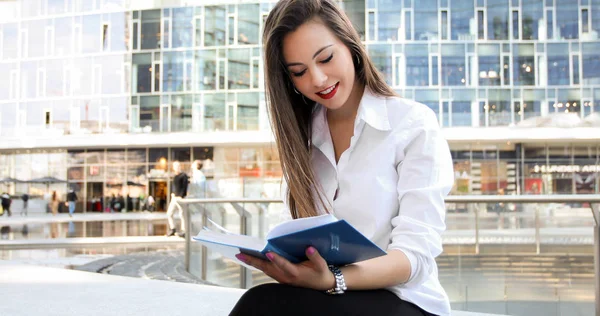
(301, 45)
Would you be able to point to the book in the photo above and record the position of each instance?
(336, 241)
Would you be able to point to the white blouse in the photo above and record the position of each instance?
(391, 183)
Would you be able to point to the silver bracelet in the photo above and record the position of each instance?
(340, 283)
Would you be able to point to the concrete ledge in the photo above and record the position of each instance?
(89, 242)
(33, 290)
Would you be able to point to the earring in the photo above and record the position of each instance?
(296, 91)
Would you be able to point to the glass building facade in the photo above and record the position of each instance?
(117, 68)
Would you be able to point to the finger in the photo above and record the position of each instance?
(282, 263)
(253, 261)
(313, 255)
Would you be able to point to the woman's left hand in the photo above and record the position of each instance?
(312, 273)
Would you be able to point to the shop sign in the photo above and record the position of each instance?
(565, 168)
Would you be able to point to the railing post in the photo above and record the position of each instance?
(596, 214)
(245, 273)
(204, 258)
(188, 235)
(537, 229)
(476, 206)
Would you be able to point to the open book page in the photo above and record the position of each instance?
(300, 224)
(237, 241)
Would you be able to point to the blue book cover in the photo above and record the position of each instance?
(336, 240)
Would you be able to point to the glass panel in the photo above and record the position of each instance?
(408, 25)
(435, 71)
(214, 28)
(248, 23)
(497, 19)
(461, 19)
(141, 72)
(489, 65)
(173, 71)
(214, 112)
(10, 35)
(426, 20)
(151, 29)
(389, 20)
(181, 113)
(239, 68)
(206, 69)
(158, 156)
(444, 25)
(515, 24)
(381, 57)
(499, 107)
(568, 19)
(591, 63)
(371, 22)
(417, 65)
(247, 111)
(480, 24)
(533, 16)
(550, 24)
(149, 113)
(453, 65)
(558, 64)
(182, 27)
(575, 69)
(523, 65)
(430, 98)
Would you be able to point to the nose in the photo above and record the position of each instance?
(319, 78)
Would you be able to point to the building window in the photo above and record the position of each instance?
(585, 22)
(558, 64)
(497, 19)
(150, 30)
(142, 73)
(214, 28)
(426, 20)
(523, 65)
(480, 24)
(444, 26)
(453, 65)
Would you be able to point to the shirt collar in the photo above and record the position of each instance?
(372, 110)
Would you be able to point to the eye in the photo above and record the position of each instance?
(298, 74)
(328, 59)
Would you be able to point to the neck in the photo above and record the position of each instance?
(350, 108)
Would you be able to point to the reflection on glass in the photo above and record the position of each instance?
(181, 113)
(558, 64)
(591, 63)
(417, 65)
(497, 19)
(214, 28)
(206, 69)
(389, 25)
(533, 18)
(182, 27)
(567, 19)
(142, 72)
(150, 31)
(426, 20)
(149, 112)
(247, 112)
(238, 68)
(214, 112)
(461, 19)
(523, 65)
(453, 66)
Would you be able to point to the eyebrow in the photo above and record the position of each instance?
(314, 56)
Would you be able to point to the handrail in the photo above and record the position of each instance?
(467, 199)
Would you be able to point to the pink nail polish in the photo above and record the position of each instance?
(310, 250)
(270, 256)
(241, 257)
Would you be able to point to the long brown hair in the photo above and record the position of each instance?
(291, 113)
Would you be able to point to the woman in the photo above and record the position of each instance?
(54, 203)
(350, 147)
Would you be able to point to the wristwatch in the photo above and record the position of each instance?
(340, 283)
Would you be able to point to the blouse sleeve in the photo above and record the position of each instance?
(425, 177)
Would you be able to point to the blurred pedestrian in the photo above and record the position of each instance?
(54, 203)
(71, 200)
(6, 201)
(180, 184)
(25, 198)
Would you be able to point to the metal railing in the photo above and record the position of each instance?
(245, 277)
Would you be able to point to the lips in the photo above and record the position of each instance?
(330, 94)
